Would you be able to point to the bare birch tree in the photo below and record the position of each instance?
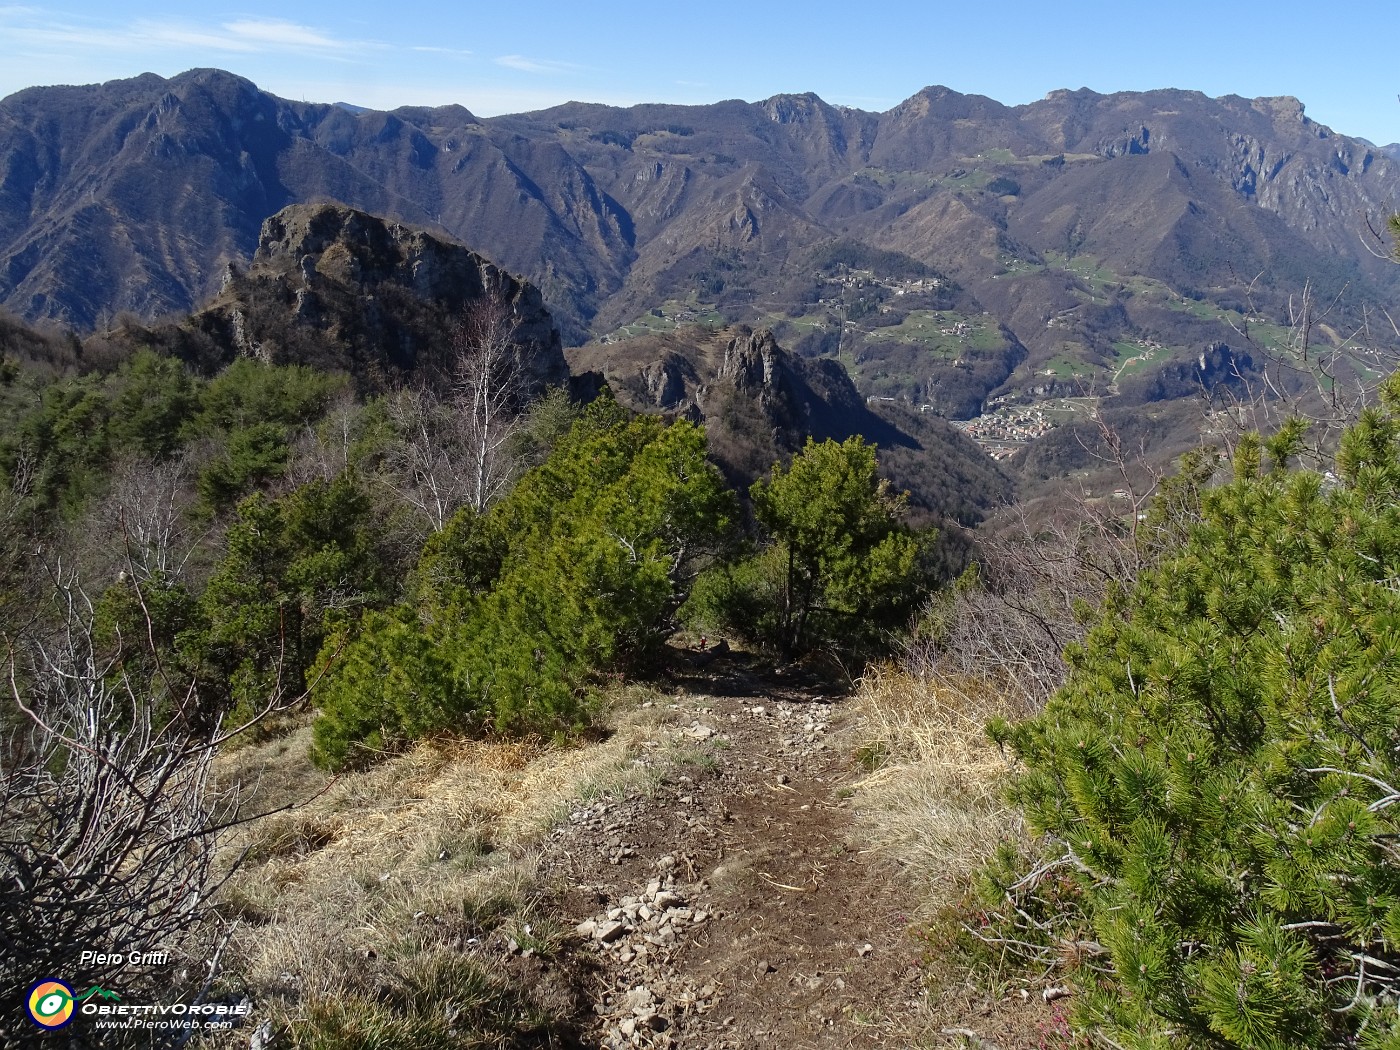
(149, 508)
(455, 447)
(490, 390)
(425, 461)
(321, 452)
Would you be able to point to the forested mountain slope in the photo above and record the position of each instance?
(1005, 266)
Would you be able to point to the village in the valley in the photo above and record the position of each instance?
(1006, 429)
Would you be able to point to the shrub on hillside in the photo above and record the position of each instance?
(842, 570)
(1217, 780)
(742, 599)
(295, 567)
(578, 571)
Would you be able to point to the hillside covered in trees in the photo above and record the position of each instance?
(359, 492)
(1001, 266)
(358, 511)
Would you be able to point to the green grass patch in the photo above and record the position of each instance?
(1202, 310)
(940, 331)
(805, 321)
(1069, 362)
(1272, 336)
(892, 180)
(669, 316)
(968, 179)
(1014, 267)
(1086, 267)
(1136, 357)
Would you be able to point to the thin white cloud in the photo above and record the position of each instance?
(146, 36)
(163, 36)
(246, 35)
(283, 34)
(536, 65)
(454, 52)
(52, 35)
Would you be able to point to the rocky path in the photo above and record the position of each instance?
(728, 904)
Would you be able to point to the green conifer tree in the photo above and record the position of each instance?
(850, 564)
(515, 612)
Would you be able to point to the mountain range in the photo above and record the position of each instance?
(954, 254)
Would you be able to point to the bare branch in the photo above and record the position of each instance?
(455, 448)
(108, 830)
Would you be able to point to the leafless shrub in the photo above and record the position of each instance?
(1044, 571)
(1006, 625)
(149, 508)
(12, 497)
(1326, 371)
(108, 831)
(325, 451)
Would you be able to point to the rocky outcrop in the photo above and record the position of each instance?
(753, 363)
(328, 256)
(1216, 367)
(340, 289)
(668, 382)
(759, 404)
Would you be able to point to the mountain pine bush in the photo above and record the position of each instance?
(1217, 781)
(842, 571)
(515, 613)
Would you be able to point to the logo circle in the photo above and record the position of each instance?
(50, 1004)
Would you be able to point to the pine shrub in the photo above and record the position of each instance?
(516, 614)
(1218, 775)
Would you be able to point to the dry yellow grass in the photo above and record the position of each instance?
(933, 800)
(390, 866)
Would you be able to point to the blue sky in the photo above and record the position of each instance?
(501, 56)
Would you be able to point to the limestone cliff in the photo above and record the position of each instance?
(337, 288)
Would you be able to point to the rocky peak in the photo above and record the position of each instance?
(1281, 108)
(793, 109)
(385, 294)
(754, 363)
(351, 245)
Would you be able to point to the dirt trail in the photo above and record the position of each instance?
(729, 905)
